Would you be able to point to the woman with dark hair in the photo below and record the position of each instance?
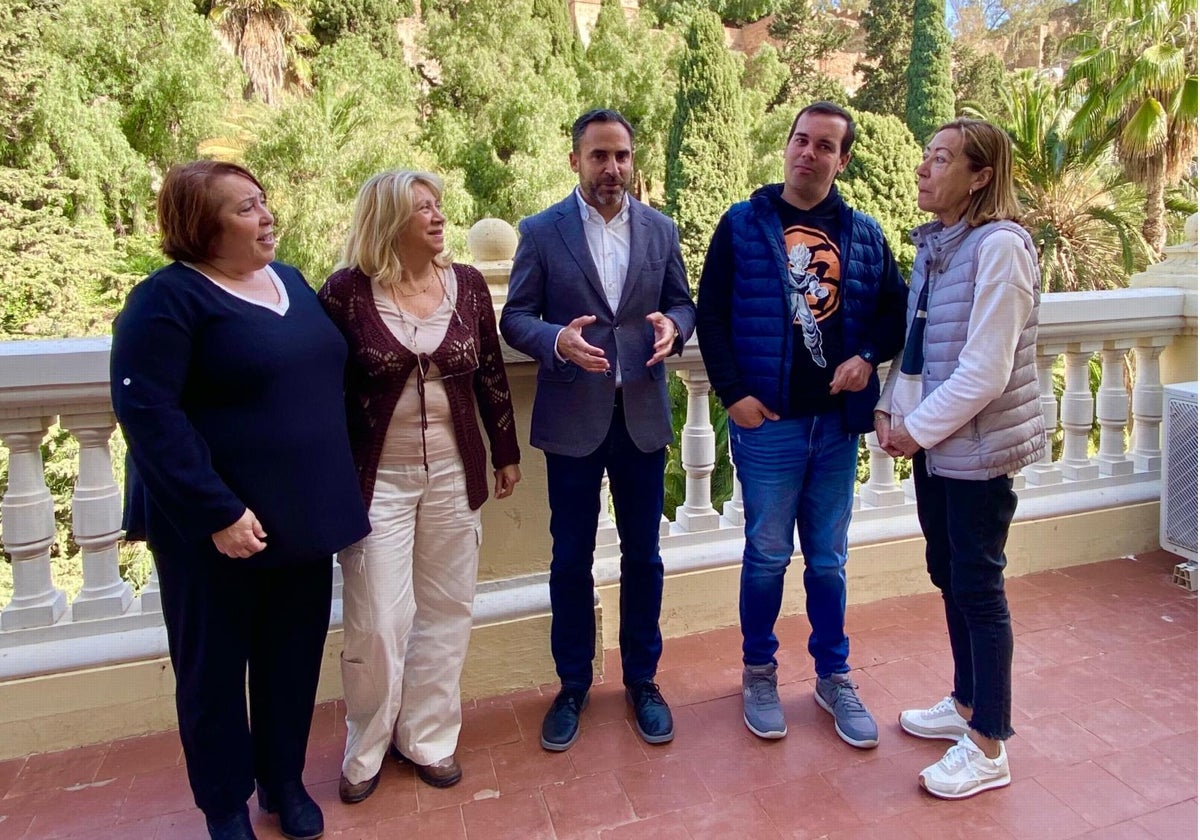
(227, 380)
(425, 358)
(962, 401)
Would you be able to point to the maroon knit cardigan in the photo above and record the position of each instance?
(380, 366)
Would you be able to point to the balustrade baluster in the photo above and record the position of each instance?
(28, 512)
(1077, 413)
(1112, 410)
(606, 529)
(1148, 404)
(698, 447)
(1045, 471)
(882, 489)
(96, 519)
(734, 510)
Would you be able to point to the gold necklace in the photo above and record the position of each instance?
(428, 283)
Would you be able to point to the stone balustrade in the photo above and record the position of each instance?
(44, 381)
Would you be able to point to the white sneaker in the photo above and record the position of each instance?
(941, 721)
(965, 771)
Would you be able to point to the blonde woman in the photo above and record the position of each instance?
(424, 359)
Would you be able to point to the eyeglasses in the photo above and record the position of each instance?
(461, 360)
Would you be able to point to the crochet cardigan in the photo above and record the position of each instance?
(380, 366)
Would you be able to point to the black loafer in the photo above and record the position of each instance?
(650, 712)
(560, 727)
(299, 817)
(235, 826)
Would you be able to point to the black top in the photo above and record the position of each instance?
(818, 230)
(226, 404)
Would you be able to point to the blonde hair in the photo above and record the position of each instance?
(382, 209)
(985, 145)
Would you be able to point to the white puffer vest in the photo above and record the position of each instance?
(1009, 433)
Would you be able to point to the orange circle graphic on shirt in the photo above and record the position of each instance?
(825, 262)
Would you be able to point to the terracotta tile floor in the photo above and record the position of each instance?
(1104, 706)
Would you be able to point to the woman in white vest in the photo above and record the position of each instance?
(962, 401)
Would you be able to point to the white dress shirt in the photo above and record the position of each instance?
(608, 243)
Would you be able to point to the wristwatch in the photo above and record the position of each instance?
(867, 356)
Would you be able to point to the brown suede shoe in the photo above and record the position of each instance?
(440, 774)
(351, 792)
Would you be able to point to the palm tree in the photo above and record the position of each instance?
(267, 37)
(1138, 72)
(1081, 212)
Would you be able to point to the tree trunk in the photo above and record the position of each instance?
(1153, 229)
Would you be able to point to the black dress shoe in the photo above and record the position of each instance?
(299, 817)
(235, 826)
(560, 727)
(650, 712)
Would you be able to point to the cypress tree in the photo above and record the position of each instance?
(887, 29)
(930, 100)
(707, 149)
(564, 42)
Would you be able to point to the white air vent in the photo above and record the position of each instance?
(1177, 514)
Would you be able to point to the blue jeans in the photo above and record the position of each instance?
(966, 526)
(796, 474)
(636, 481)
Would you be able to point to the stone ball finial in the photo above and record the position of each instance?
(491, 240)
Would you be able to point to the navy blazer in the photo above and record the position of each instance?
(553, 282)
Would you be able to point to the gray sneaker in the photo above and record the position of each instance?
(854, 724)
(762, 710)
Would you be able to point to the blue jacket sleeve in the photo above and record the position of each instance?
(521, 320)
(714, 317)
(151, 352)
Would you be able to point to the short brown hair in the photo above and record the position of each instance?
(187, 212)
(985, 146)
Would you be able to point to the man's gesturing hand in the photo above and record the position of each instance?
(665, 333)
(573, 348)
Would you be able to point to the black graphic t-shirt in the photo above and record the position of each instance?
(815, 266)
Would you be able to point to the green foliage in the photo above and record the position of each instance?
(808, 33)
(879, 180)
(707, 148)
(930, 97)
(564, 43)
(1081, 213)
(59, 261)
(675, 480)
(271, 40)
(375, 19)
(765, 82)
(1137, 72)
(735, 12)
(503, 107)
(978, 78)
(627, 67)
(887, 30)
(314, 153)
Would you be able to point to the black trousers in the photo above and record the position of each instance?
(224, 617)
(966, 527)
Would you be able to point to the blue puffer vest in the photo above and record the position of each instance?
(762, 326)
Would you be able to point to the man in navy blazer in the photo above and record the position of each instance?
(599, 298)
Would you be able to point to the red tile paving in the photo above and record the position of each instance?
(1105, 711)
